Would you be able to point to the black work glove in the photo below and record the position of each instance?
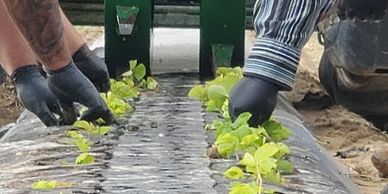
(35, 95)
(254, 95)
(70, 85)
(92, 67)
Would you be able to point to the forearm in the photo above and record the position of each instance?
(283, 27)
(40, 23)
(14, 50)
(72, 37)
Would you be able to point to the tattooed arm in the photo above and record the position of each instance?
(40, 23)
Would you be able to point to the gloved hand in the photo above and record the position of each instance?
(92, 67)
(35, 95)
(254, 95)
(70, 85)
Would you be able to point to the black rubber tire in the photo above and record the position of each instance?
(3, 75)
(327, 75)
(362, 9)
(372, 105)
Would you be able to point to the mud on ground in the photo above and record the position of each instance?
(9, 106)
(346, 135)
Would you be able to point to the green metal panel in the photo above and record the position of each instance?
(222, 23)
(167, 13)
(120, 49)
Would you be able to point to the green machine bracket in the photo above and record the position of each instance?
(128, 34)
(222, 24)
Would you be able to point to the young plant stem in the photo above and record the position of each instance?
(259, 180)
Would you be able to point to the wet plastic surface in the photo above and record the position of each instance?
(167, 153)
(162, 150)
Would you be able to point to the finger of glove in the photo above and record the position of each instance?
(54, 107)
(45, 115)
(260, 101)
(94, 114)
(69, 113)
(104, 87)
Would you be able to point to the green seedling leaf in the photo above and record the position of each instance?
(217, 124)
(118, 106)
(225, 111)
(100, 121)
(285, 166)
(123, 90)
(80, 141)
(152, 84)
(81, 124)
(234, 173)
(283, 150)
(239, 188)
(40, 185)
(277, 131)
(132, 64)
(85, 158)
(241, 120)
(226, 144)
(248, 160)
(75, 135)
(266, 151)
(230, 81)
(250, 140)
(242, 131)
(274, 177)
(91, 128)
(227, 82)
(224, 71)
(212, 106)
(259, 131)
(267, 166)
(143, 84)
(133, 92)
(44, 185)
(103, 130)
(218, 95)
(198, 92)
(226, 128)
(216, 91)
(139, 72)
(127, 74)
(82, 144)
(268, 191)
(129, 82)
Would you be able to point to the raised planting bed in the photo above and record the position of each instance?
(160, 147)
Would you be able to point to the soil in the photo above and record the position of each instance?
(10, 108)
(347, 136)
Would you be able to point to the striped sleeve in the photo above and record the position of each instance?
(282, 27)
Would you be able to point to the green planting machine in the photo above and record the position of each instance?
(129, 23)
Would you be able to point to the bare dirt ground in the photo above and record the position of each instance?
(10, 108)
(345, 135)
